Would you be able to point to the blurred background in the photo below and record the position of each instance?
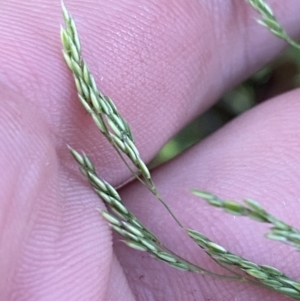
(276, 78)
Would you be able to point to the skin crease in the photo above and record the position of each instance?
(168, 61)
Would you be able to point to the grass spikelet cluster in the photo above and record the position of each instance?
(134, 233)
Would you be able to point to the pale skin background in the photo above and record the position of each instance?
(162, 62)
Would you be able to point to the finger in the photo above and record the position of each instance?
(255, 156)
(54, 246)
(118, 288)
(161, 62)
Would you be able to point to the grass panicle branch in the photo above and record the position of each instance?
(265, 275)
(269, 21)
(117, 131)
(280, 231)
(102, 109)
(135, 234)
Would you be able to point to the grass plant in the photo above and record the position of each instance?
(134, 233)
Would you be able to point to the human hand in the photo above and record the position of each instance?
(162, 64)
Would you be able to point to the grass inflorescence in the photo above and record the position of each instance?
(280, 230)
(134, 233)
(269, 20)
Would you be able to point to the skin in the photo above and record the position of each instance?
(162, 62)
